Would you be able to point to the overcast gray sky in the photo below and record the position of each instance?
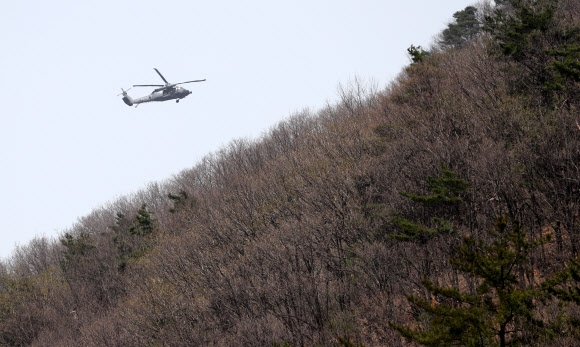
(68, 144)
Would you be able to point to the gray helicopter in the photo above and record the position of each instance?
(167, 91)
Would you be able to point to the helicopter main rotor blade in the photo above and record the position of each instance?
(148, 85)
(163, 78)
(190, 81)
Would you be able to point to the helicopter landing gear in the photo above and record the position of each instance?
(177, 100)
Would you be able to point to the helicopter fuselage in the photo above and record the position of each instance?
(160, 95)
(164, 95)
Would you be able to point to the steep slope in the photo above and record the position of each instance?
(295, 238)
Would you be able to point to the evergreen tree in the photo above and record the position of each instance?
(178, 200)
(143, 225)
(445, 191)
(565, 284)
(500, 312)
(75, 247)
(567, 68)
(547, 53)
(417, 53)
(516, 32)
(502, 2)
(463, 29)
(131, 237)
(519, 32)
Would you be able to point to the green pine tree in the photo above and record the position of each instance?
(75, 247)
(567, 67)
(463, 29)
(417, 54)
(500, 312)
(178, 200)
(516, 30)
(445, 192)
(132, 236)
(144, 222)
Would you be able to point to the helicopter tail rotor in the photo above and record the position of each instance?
(124, 92)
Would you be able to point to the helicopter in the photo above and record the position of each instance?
(167, 91)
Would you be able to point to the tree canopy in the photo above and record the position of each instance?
(445, 203)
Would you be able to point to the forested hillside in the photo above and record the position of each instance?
(440, 210)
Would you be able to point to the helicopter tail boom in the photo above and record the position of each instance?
(127, 99)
